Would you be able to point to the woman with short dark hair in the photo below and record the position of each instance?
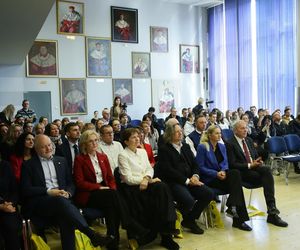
(148, 198)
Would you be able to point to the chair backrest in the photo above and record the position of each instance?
(227, 134)
(276, 145)
(135, 123)
(292, 142)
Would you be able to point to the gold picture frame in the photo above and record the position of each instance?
(41, 60)
(70, 18)
(98, 57)
(73, 96)
(141, 65)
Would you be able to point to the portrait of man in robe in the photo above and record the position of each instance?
(41, 60)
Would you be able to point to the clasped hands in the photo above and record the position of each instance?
(7, 207)
(221, 175)
(147, 180)
(256, 163)
(58, 192)
(194, 181)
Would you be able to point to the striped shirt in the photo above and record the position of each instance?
(27, 114)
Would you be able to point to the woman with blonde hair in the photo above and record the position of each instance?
(213, 166)
(95, 183)
(7, 114)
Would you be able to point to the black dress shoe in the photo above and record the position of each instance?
(168, 242)
(100, 240)
(276, 220)
(192, 225)
(241, 225)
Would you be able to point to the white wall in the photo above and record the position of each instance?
(186, 25)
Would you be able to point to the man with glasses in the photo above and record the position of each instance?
(47, 189)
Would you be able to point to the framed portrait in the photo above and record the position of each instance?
(123, 89)
(164, 95)
(141, 66)
(159, 39)
(70, 17)
(98, 57)
(41, 60)
(73, 99)
(124, 25)
(189, 58)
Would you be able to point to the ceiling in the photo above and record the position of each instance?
(20, 23)
(201, 3)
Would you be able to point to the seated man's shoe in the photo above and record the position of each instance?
(241, 225)
(192, 225)
(101, 240)
(276, 220)
(168, 242)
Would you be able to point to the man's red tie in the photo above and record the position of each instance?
(246, 151)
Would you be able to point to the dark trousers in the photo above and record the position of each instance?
(152, 208)
(233, 186)
(191, 199)
(261, 176)
(66, 215)
(10, 229)
(107, 200)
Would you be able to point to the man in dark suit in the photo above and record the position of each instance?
(69, 148)
(193, 139)
(46, 187)
(243, 156)
(178, 168)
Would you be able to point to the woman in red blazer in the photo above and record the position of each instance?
(95, 184)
